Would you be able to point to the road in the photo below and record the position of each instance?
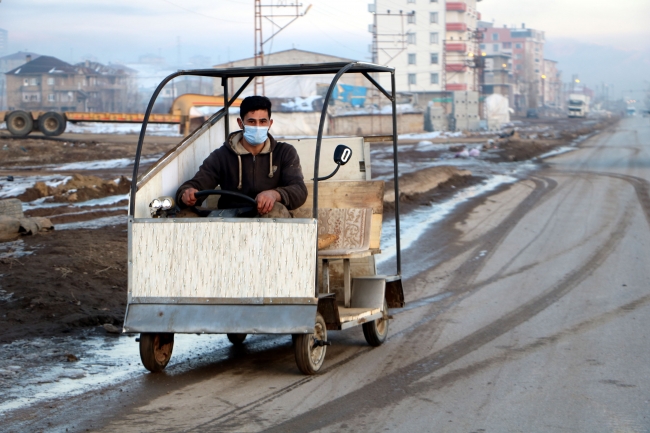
(533, 317)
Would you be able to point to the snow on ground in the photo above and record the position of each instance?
(103, 164)
(94, 224)
(429, 135)
(20, 183)
(159, 129)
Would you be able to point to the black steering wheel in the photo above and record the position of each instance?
(207, 192)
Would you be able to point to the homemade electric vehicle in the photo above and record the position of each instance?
(252, 275)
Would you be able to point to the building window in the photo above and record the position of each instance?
(412, 79)
(410, 18)
(410, 1)
(435, 78)
(434, 58)
(50, 81)
(410, 38)
(520, 67)
(411, 58)
(495, 36)
(517, 45)
(537, 60)
(518, 56)
(50, 97)
(482, 47)
(433, 1)
(433, 17)
(495, 47)
(507, 45)
(433, 38)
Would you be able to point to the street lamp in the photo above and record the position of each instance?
(543, 90)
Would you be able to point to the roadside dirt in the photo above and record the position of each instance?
(71, 279)
(37, 151)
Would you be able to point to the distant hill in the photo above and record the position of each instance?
(627, 70)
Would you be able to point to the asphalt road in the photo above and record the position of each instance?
(534, 317)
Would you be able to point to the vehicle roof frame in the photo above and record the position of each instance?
(337, 68)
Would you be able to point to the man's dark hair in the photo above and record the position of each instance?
(254, 103)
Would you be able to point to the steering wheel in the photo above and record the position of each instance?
(207, 192)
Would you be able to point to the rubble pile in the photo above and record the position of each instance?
(13, 222)
(77, 189)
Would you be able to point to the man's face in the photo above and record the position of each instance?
(256, 118)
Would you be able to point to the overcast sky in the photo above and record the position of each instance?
(122, 30)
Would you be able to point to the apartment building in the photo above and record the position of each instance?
(409, 35)
(47, 83)
(526, 48)
(462, 55)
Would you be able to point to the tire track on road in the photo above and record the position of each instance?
(395, 386)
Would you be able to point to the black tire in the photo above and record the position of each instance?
(156, 350)
(51, 124)
(236, 339)
(20, 123)
(309, 358)
(377, 330)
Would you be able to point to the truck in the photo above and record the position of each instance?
(21, 123)
(578, 105)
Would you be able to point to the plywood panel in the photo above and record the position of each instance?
(217, 259)
(348, 194)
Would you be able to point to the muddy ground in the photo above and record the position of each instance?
(74, 279)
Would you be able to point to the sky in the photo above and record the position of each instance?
(122, 30)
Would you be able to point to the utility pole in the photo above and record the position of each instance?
(263, 13)
(392, 44)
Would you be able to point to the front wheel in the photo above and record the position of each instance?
(377, 330)
(236, 339)
(156, 350)
(309, 350)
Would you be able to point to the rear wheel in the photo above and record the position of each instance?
(20, 123)
(156, 350)
(377, 330)
(309, 353)
(236, 339)
(51, 124)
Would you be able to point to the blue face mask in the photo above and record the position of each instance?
(255, 135)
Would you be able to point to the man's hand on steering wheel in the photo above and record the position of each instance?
(188, 196)
(266, 199)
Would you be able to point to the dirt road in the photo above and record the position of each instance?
(527, 310)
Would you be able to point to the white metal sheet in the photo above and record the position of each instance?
(215, 259)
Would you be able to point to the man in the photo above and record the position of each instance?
(253, 163)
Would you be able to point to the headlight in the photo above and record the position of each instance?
(155, 204)
(167, 202)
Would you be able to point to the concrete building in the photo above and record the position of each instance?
(430, 43)
(497, 75)
(409, 36)
(8, 63)
(49, 84)
(526, 48)
(552, 85)
(288, 87)
(462, 55)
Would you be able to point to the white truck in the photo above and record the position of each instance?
(578, 105)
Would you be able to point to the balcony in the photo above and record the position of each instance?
(456, 27)
(458, 47)
(457, 6)
(455, 67)
(452, 87)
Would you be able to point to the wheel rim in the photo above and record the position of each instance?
(51, 124)
(381, 325)
(19, 122)
(317, 353)
(162, 352)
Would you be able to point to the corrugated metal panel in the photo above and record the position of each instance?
(218, 259)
